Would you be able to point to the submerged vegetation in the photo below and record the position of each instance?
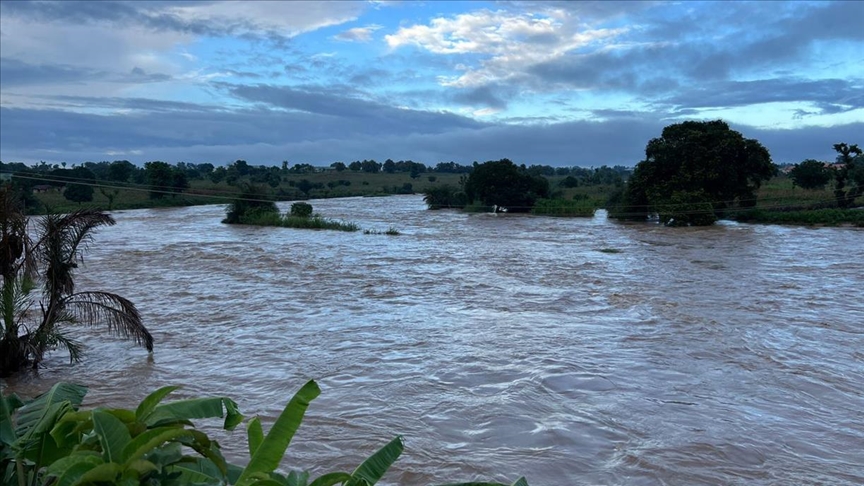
(50, 441)
(33, 321)
(250, 208)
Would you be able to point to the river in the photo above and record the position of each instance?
(500, 346)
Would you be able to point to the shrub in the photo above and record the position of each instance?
(301, 210)
(445, 196)
(251, 205)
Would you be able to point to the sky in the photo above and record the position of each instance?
(538, 82)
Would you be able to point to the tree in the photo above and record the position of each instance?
(120, 171)
(694, 165)
(502, 183)
(79, 192)
(160, 177)
(339, 166)
(33, 322)
(389, 166)
(810, 174)
(251, 202)
(848, 173)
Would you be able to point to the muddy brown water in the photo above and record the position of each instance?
(501, 346)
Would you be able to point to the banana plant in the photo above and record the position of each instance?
(49, 441)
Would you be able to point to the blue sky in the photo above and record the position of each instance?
(559, 83)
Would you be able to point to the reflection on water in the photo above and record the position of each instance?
(502, 345)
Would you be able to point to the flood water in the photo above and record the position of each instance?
(501, 346)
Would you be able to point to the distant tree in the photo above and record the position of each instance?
(810, 174)
(389, 166)
(305, 185)
(110, 195)
(242, 167)
(179, 181)
(160, 178)
(503, 183)
(79, 192)
(338, 166)
(569, 182)
(218, 174)
(355, 166)
(848, 174)
(694, 165)
(370, 166)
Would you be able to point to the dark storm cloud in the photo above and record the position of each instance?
(152, 15)
(833, 95)
(491, 96)
(14, 72)
(331, 101)
(265, 136)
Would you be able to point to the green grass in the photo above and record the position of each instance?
(391, 231)
(582, 208)
(811, 217)
(315, 222)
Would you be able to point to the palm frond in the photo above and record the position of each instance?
(64, 237)
(104, 308)
(74, 347)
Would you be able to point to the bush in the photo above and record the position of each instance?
(446, 196)
(301, 210)
(251, 205)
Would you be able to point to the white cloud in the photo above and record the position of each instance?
(506, 43)
(357, 34)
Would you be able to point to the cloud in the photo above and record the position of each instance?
(824, 92)
(158, 130)
(197, 18)
(499, 45)
(358, 34)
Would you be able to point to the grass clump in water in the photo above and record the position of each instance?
(391, 231)
(609, 250)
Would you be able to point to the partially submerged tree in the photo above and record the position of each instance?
(503, 183)
(252, 202)
(33, 324)
(694, 169)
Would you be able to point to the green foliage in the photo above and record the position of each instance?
(686, 209)
(446, 196)
(34, 322)
(301, 210)
(810, 174)
(391, 231)
(812, 217)
(850, 174)
(580, 208)
(504, 184)
(251, 205)
(692, 166)
(50, 441)
(80, 192)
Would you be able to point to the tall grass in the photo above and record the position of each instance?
(316, 222)
(581, 208)
(811, 217)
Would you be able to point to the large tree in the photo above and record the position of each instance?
(33, 322)
(503, 183)
(695, 169)
(810, 174)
